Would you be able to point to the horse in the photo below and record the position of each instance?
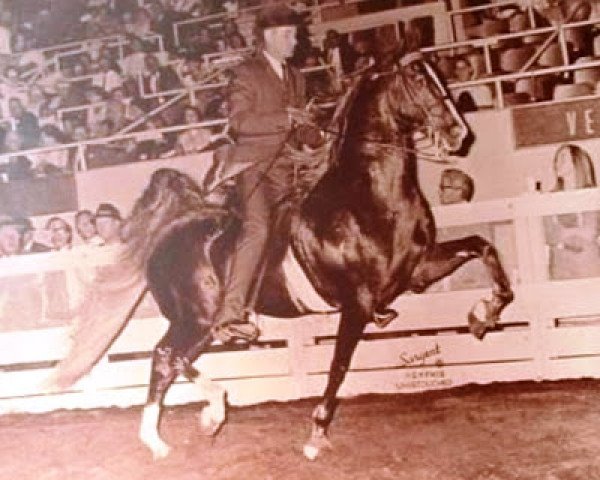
(362, 236)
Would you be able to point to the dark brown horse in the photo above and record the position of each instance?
(364, 235)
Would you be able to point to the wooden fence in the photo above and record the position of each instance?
(549, 332)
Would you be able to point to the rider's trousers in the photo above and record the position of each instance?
(260, 189)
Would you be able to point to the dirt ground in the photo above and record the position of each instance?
(522, 431)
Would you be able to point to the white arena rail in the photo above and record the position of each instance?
(426, 347)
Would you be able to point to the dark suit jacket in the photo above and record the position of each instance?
(258, 99)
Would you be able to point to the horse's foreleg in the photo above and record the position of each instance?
(446, 257)
(352, 325)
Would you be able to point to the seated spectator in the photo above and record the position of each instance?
(133, 63)
(202, 43)
(572, 238)
(191, 72)
(18, 167)
(339, 53)
(232, 38)
(194, 139)
(363, 49)
(109, 75)
(162, 22)
(319, 84)
(157, 79)
(35, 99)
(473, 97)
(108, 223)
(54, 161)
(61, 234)
(28, 233)
(116, 113)
(455, 187)
(140, 24)
(458, 187)
(67, 95)
(85, 227)
(153, 144)
(12, 86)
(11, 240)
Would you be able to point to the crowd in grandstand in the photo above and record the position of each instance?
(100, 228)
(131, 62)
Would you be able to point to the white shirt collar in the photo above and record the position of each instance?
(276, 64)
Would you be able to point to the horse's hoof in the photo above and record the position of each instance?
(383, 318)
(311, 452)
(476, 327)
(209, 426)
(158, 448)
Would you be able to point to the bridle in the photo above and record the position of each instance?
(440, 155)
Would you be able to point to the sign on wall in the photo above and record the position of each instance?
(556, 122)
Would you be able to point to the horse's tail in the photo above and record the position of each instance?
(108, 305)
(109, 302)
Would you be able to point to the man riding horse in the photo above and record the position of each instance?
(267, 99)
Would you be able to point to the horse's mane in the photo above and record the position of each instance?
(338, 124)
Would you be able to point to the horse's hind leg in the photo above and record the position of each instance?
(174, 356)
(446, 257)
(352, 325)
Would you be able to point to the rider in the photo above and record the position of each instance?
(266, 98)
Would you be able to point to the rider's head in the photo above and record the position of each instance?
(276, 27)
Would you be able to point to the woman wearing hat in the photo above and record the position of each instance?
(266, 98)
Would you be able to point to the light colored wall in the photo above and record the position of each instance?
(123, 184)
(500, 170)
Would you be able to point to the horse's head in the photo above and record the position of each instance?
(417, 94)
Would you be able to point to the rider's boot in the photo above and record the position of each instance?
(231, 323)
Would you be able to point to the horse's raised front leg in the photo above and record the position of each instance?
(351, 327)
(446, 257)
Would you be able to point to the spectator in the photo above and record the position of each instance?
(573, 238)
(157, 79)
(28, 233)
(364, 53)
(61, 234)
(194, 139)
(133, 64)
(109, 77)
(53, 161)
(11, 240)
(162, 23)
(67, 95)
(11, 86)
(108, 223)
(18, 166)
(141, 23)
(202, 43)
(339, 53)
(472, 97)
(232, 38)
(86, 228)
(457, 187)
(35, 100)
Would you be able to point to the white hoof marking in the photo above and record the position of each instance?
(311, 452)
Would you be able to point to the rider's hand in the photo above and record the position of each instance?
(300, 116)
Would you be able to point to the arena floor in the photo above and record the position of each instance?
(525, 431)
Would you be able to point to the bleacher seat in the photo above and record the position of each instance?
(586, 75)
(571, 90)
(513, 59)
(552, 56)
